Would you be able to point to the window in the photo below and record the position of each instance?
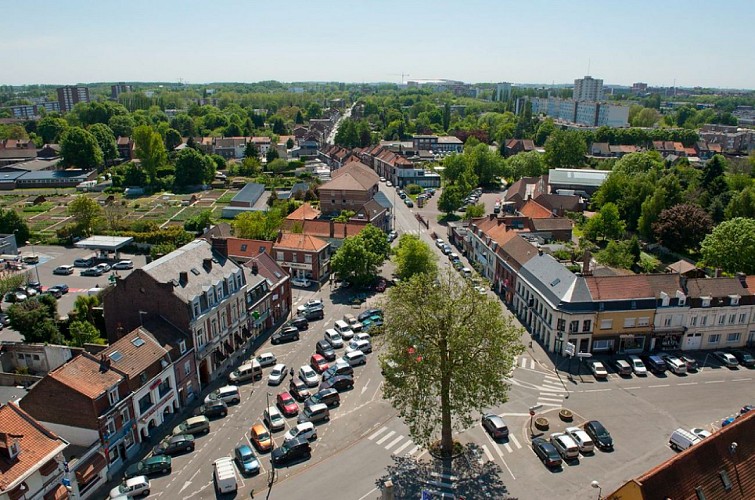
(714, 339)
(743, 318)
(196, 308)
(634, 304)
(704, 321)
(182, 346)
(145, 403)
(574, 327)
(187, 368)
(732, 337)
(164, 387)
(125, 416)
(201, 340)
(606, 324)
(643, 321)
(734, 300)
(243, 247)
(112, 395)
(561, 326)
(128, 439)
(278, 255)
(693, 321)
(114, 454)
(587, 326)
(307, 258)
(214, 324)
(722, 319)
(630, 322)
(706, 301)
(110, 427)
(732, 318)
(222, 321)
(667, 321)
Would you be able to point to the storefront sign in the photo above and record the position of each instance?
(296, 265)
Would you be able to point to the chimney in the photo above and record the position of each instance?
(207, 263)
(255, 268)
(539, 251)
(586, 263)
(742, 277)
(718, 272)
(219, 245)
(183, 278)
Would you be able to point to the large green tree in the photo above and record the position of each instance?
(85, 212)
(105, 140)
(11, 222)
(742, 204)
(605, 224)
(413, 256)
(34, 319)
(79, 148)
(149, 148)
(50, 128)
(529, 164)
(731, 246)
(447, 351)
(193, 168)
(358, 258)
(83, 332)
(565, 149)
(258, 225)
(122, 125)
(682, 227)
(375, 241)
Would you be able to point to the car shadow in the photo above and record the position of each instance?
(473, 479)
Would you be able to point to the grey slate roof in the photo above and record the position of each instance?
(382, 200)
(249, 193)
(577, 176)
(554, 281)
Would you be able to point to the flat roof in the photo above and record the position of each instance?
(105, 242)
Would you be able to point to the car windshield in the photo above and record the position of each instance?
(600, 430)
(275, 372)
(246, 455)
(263, 435)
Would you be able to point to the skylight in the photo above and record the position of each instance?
(138, 342)
(195, 271)
(116, 356)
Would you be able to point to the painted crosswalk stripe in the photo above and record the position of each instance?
(508, 447)
(545, 398)
(377, 433)
(524, 362)
(552, 388)
(402, 447)
(414, 450)
(532, 364)
(487, 453)
(393, 443)
(516, 443)
(551, 377)
(385, 438)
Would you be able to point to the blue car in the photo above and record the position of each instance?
(246, 460)
(727, 421)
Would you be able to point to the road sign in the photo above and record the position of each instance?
(569, 349)
(532, 413)
(535, 407)
(584, 355)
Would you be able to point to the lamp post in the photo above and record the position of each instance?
(36, 266)
(596, 485)
(733, 452)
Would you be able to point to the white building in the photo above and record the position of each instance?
(588, 89)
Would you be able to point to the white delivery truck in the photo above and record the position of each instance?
(225, 475)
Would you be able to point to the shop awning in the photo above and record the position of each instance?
(89, 469)
(18, 492)
(59, 493)
(49, 467)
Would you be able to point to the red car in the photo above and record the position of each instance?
(287, 405)
(380, 287)
(318, 363)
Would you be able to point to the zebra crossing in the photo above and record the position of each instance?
(384, 437)
(510, 446)
(552, 392)
(525, 362)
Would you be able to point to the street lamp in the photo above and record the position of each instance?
(36, 266)
(596, 485)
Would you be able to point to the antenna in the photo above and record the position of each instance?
(588, 66)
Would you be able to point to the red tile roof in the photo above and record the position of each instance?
(634, 286)
(535, 210)
(139, 351)
(243, 247)
(83, 374)
(298, 241)
(38, 445)
(304, 212)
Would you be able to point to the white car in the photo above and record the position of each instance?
(565, 445)
(701, 433)
(301, 282)
(638, 367)
(726, 359)
(382, 179)
(388, 183)
(581, 438)
(277, 374)
(266, 359)
(309, 376)
(362, 336)
(439, 243)
(274, 419)
(124, 265)
(598, 370)
(311, 303)
(334, 338)
(306, 430)
(133, 487)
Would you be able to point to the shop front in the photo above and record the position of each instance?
(667, 341)
(632, 343)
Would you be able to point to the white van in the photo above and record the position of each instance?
(249, 371)
(344, 329)
(225, 475)
(682, 439)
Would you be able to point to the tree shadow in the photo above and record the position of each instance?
(472, 479)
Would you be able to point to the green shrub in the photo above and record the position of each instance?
(413, 189)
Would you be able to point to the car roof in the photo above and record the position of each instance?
(258, 428)
(305, 425)
(495, 419)
(136, 480)
(279, 366)
(198, 418)
(181, 437)
(244, 448)
(318, 406)
(228, 388)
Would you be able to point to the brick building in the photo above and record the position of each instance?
(350, 188)
(302, 255)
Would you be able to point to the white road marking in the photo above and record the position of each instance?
(508, 447)
(393, 443)
(414, 450)
(516, 443)
(532, 364)
(543, 398)
(385, 438)
(661, 385)
(596, 390)
(738, 379)
(402, 447)
(715, 382)
(688, 383)
(549, 404)
(495, 446)
(364, 388)
(633, 387)
(552, 378)
(377, 433)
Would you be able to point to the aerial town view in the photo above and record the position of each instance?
(377, 250)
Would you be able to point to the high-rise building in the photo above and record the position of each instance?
(588, 89)
(118, 89)
(69, 96)
(639, 88)
(503, 91)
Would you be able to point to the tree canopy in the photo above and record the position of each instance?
(358, 258)
(731, 246)
(79, 148)
(447, 351)
(193, 168)
(682, 227)
(105, 140)
(85, 212)
(413, 256)
(149, 148)
(11, 222)
(565, 149)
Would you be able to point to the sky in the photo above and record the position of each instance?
(692, 42)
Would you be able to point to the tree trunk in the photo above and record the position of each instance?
(446, 439)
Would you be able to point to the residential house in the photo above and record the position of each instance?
(515, 146)
(150, 378)
(230, 147)
(125, 148)
(302, 255)
(512, 253)
(731, 140)
(262, 144)
(525, 189)
(269, 296)
(199, 291)
(88, 402)
(721, 312)
(449, 144)
(35, 359)
(31, 457)
(720, 466)
(666, 148)
(350, 188)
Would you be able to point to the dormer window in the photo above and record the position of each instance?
(734, 300)
(664, 299)
(13, 450)
(112, 395)
(182, 346)
(706, 301)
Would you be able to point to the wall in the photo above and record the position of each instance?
(74, 435)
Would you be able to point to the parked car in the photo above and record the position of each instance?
(298, 389)
(104, 267)
(675, 365)
(92, 271)
(273, 418)
(308, 376)
(638, 367)
(334, 338)
(726, 359)
(4, 319)
(301, 282)
(565, 445)
(689, 361)
(55, 292)
(277, 374)
(63, 270)
(355, 358)
(727, 421)
(15, 296)
(286, 334)
(392, 235)
(285, 401)
(324, 349)
(313, 313)
(546, 452)
(124, 265)
(215, 409)
(338, 368)
(623, 367)
(229, 394)
(290, 451)
(328, 397)
(598, 370)
(246, 460)
(599, 435)
(173, 445)
(158, 464)
(368, 313)
(132, 487)
(744, 358)
(260, 437)
(266, 359)
(339, 383)
(247, 372)
(359, 345)
(655, 363)
(305, 430)
(310, 304)
(299, 323)
(682, 439)
(193, 426)
(315, 413)
(495, 426)
(582, 439)
(701, 433)
(83, 262)
(318, 363)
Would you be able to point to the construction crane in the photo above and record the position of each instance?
(402, 75)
